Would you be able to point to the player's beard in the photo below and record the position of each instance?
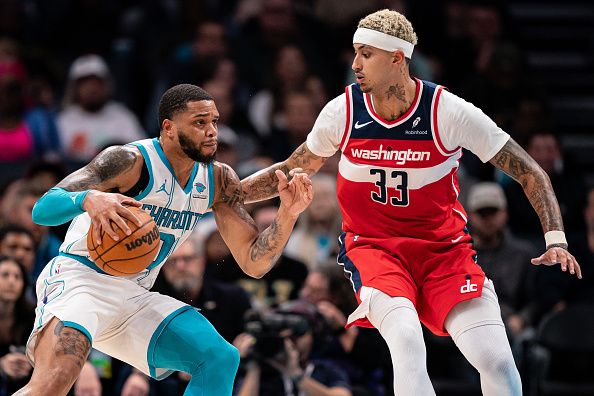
(193, 152)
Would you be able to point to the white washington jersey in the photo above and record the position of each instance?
(176, 210)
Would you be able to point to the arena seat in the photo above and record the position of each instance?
(562, 356)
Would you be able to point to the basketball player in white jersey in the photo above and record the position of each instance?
(173, 178)
(405, 244)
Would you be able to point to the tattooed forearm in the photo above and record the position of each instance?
(264, 184)
(514, 161)
(267, 242)
(71, 342)
(230, 187)
(105, 166)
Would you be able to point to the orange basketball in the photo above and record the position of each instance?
(132, 253)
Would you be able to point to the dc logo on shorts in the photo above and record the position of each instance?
(468, 287)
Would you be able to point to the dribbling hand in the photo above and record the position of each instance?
(108, 211)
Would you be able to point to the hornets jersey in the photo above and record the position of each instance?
(396, 178)
(176, 209)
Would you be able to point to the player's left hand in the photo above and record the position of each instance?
(559, 255)
(295, 195)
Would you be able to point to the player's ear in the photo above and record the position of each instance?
(168, 127)
(398, 56)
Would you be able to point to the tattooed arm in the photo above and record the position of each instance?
(513, 160)
(94, 188)
(263, 184)
(257, 252)
(115, 169)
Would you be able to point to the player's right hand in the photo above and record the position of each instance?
(108, 211)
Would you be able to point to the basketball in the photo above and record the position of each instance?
(132, 253)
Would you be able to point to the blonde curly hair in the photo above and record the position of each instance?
(390, 22)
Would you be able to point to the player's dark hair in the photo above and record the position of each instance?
(176, 99)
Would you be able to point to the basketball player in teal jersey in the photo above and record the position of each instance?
(174, 179)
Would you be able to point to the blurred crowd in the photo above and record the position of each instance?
(77, 76)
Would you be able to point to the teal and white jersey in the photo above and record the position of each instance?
(176, 209)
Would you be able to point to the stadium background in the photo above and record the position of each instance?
(79, 75)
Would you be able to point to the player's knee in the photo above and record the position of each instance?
(498, 365)
(409, 335)
(57, 379)
(223, 355)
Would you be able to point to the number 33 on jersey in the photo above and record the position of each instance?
(395, 177)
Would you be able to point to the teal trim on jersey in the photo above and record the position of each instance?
(51, 263)
(58, 206)
(150, 353)
(147, 161)
(165, 161)
(45, 300)
(83, 260)
(166, 248)
(210, 185)
(190, 184)
(80, 328)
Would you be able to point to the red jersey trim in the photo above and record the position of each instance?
(436, 138)
(402, 118)
(348, 93)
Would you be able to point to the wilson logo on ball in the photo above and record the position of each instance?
(148, 238)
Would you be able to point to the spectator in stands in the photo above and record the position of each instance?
(314, 240)
(23, 133)
(90, 119)
(504, 257)
(298, 116)
(295, 368)
(359, 351)
(16, 319)
(45, 173)
(268, 108)
(17, 242)
(272, 25)
(567, 182)
(195, 61)
(17, 204)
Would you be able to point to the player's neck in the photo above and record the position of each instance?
(392, 100)
(181, 163)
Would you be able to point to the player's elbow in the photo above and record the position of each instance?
(255, 272)
(40, 214)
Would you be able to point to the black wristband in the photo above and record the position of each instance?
(559, 245)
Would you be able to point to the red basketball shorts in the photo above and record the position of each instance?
(435, 276)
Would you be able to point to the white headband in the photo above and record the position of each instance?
(383, 41)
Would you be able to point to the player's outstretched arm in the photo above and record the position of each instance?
(256, 252)
(94, 188)
(263, 185)
(513, 160)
